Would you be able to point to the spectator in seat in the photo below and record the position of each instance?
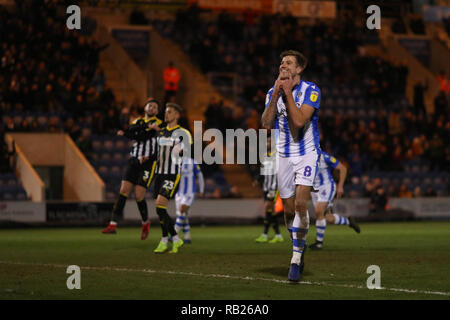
(404, 192)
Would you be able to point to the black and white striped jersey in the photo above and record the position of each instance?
(170, 144)
(268, 172)
(145, 144)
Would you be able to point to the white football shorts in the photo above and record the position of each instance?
(186, 199)
(298, 170)
(326, 193)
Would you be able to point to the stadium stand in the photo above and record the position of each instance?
(41, 91)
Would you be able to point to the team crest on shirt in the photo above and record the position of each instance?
(333, 159)
(314, 96)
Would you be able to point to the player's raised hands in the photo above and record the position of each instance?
(278, 84)
(287, 81)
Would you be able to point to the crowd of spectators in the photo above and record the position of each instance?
(388, 141)
(50, 77)
(45, 67)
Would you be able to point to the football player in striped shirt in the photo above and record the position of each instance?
(190, 174)
(172, 140)
(141, 165)
(323, 199)
(292, 108)
(270, 189)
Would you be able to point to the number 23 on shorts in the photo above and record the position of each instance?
(168, 184)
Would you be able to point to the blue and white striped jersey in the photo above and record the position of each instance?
(190, 172)
(297, 142)
(327, 164)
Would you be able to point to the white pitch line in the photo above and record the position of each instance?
(313, 283)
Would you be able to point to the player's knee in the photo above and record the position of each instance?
(289, 206)
(319, 215)
(300, 205)
(161, 201)
(125, 189)
(139, 194)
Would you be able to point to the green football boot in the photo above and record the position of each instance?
(162, 247)
(262, 238)
(176, 245)
(277, 239)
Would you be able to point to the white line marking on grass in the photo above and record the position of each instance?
(313, 283)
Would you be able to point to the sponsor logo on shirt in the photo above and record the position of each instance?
(314, 96)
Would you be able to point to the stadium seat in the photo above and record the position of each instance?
(118, 157)
(103, 170)
(7, 196)
(108, 145)
(105, 156)
(42, 121)
(115, 170)
(110, 196)
(21, 196)
(18, 120)
(97, 145)
(121, 145)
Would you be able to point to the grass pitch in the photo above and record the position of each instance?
(225, 263)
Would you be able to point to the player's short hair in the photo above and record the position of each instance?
(175, 106)
(302, 61)
(151, 99)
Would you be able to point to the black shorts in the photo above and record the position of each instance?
(270, 195)
(140, 174)
(166, 185)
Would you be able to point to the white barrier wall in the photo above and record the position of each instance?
(21, 211)
(209, 209)
(254, 208)
(205, 208)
